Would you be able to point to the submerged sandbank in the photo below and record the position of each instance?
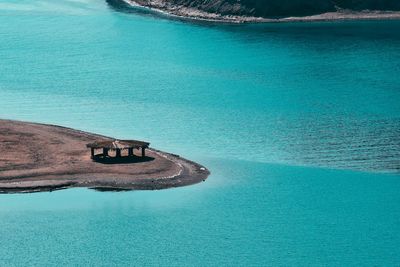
(38, 157)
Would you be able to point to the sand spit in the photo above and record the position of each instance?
(38, 157)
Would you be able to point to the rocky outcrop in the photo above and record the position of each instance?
(252, 10)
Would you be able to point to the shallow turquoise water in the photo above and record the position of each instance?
(274, 111)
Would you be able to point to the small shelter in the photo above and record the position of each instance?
(117, 146)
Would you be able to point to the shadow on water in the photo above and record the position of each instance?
(122, 6)
(122, 160)
(110, 189)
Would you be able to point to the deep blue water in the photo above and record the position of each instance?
(299, 124)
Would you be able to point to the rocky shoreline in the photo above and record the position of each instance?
(38, 157)
(165, 8)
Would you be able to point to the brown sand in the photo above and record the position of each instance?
(37, 157)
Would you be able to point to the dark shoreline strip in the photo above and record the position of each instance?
(195, 15)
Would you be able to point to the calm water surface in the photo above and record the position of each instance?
(298, 123)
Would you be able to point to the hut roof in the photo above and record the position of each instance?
(118, 144)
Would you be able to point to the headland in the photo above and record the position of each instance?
(227, 12)
(38, 157)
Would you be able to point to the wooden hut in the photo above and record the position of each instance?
(117, 146)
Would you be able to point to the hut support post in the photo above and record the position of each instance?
(118, 153)
(92, 152)
(130, 152)
(105, 152)
(143, 152)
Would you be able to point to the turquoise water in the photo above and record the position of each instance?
(298, 123)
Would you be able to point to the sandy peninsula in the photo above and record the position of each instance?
(38, 157)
